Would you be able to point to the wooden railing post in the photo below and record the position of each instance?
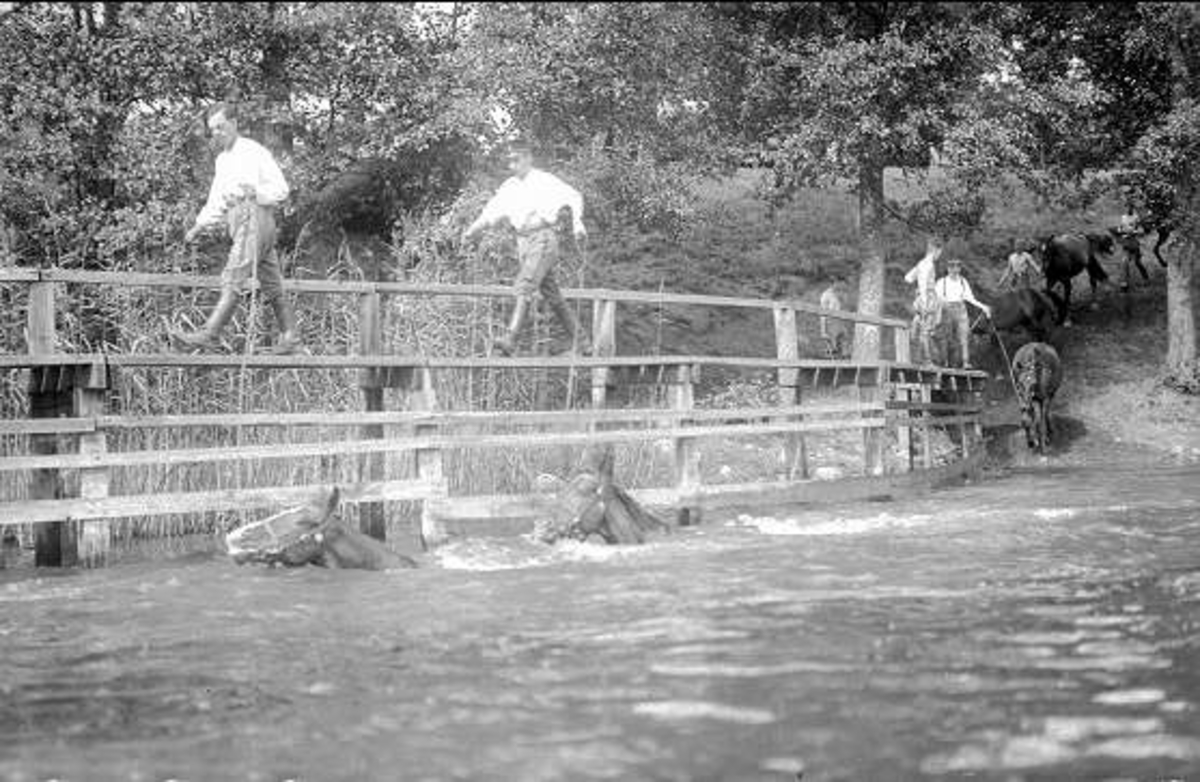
(54, 541)
(604, 343)
(903, 392)
(687, 455)
(371, 518)
(429, 461)
(787, 347)
(926, 428)
(88, 400)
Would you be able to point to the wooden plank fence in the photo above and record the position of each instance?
(69, 431)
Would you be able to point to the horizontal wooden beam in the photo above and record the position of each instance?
(355, 447)
(456, 419)
(653, 298)
(132, 505)
(933, 407)
(161, 360)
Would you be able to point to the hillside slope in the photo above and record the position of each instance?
(1112, 354)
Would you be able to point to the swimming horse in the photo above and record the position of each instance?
(1066, 255)
(311, 534)
(1037, 374)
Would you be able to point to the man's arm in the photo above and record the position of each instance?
(213, 209)
(271, 188)
(490, 215)
(969, 296)
(569, 197)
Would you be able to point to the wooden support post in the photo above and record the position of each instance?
(604, 343)
(926, 429)
(787, 347)
(371, 519)
(905, 393)
(903, 345)
(93, 537)
(687, 455)
(429, 461)
(873, 439)
(54, 542)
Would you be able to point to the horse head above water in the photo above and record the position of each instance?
(311, 534)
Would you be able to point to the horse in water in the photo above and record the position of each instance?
(1066, 255)
(1038, 373)
(591, 504)
(311, 534)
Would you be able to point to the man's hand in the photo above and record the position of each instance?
(987, 311)
(192, 234)
(580, 233)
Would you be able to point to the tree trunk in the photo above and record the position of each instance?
(871, 273)
(1181, 325)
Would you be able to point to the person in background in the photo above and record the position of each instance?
(246, 191)
(833, 330)
(926, 305)
(530, 202)
(1128, 233)
(1020, 269)
(954, 293)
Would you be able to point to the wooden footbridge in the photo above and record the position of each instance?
(68, 463)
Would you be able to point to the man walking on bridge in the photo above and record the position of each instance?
(531, 201)
(246, 189)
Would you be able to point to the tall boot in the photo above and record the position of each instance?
(566, 317)
(507, 343)
(206, 337)
(289, 337)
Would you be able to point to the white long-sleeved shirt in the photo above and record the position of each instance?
(952, 290)
(247, 164)
(923, 274)
(532, 202)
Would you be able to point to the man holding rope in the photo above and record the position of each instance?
(954, 293)
(246, 189)
(530, 201)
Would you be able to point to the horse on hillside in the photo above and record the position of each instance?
(1038, 373)
(1036, 311)
(1066, 255)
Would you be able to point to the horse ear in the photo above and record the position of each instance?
(331, 502)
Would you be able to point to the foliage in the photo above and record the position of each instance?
(1184, 378)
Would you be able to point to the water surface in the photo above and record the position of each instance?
(1041, 625)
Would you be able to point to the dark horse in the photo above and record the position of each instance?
(1036, 311)
(1066, 255)
(1038, 374)
(311, 534)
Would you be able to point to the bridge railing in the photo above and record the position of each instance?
(69, 435)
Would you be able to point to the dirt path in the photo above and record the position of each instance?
(1111, 396)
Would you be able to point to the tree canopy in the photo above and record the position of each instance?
(103, 152)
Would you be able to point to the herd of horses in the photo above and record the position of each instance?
(1063, 257)
(1036, 368)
